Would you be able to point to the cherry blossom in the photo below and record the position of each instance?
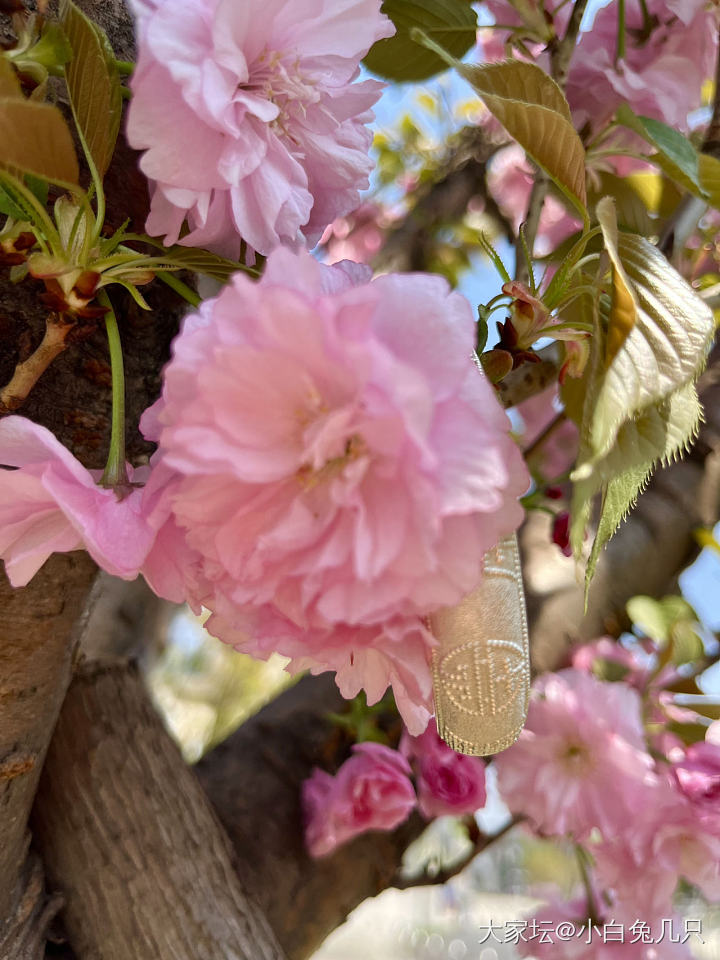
(581, 735)
(447, 782)
(371, 791)
(343, 466)
(250, 120)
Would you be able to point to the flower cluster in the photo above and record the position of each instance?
(592, 755)
(249, 119)
(667, 54)
(342, 467)
(583, 768)
(373, 790)
(331, 467)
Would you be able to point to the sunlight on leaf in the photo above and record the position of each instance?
(640, 406)
(34, 138)
(622, 311)
(534, 111)
(709, 176)
(9, 83)
(94, 85)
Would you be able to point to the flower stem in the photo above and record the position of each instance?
(620, 50)
(115, 473)
(182, 289)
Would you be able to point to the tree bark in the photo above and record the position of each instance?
(253, 780)
(36, 635)
(73, 399)
(130, 840)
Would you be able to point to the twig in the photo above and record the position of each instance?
(27, 373)
(583, 866)
(483, 841)
(544, 435)
(530, 227)
(561, 54)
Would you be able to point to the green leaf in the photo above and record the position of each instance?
(450, 23)
(9, 83)
(632, 213)
(482, 331)
(193, 259)
(34, 138)
(94, 85)
(664, 350)
(623, 314)
(660, 434)
(52, 50)
(38, 187)
(687, 645)
(670, 621)
(648, 614)
(709, 176)
(534, 111)
(676, 156)
(8, 207)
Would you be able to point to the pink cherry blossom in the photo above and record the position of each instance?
(344, 465)
(559, 450)
(581, 735)
(357, 237)
(395, 652)
(605, 650)
(447, 782)
(675, 837)
(49, 503)
(666, 59)
(663, 70)
(371, 791)
(698, 774)
(250, 120)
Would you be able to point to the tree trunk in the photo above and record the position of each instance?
(130, 840)
(253, 780)
(36, 635)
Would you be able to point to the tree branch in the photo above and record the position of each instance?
(129, 839)
(28, 372)
(482, 842)
(561, 54)
(461, 176)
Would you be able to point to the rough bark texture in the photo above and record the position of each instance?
(25, 936)
(36, 632)
(253, 780)
(73, 399)
(130, 840)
